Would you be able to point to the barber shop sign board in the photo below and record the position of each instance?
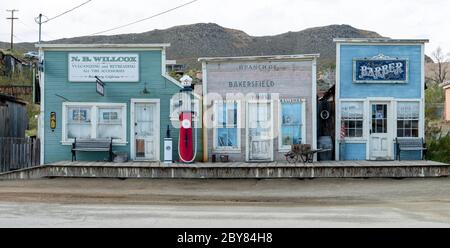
(380, 69)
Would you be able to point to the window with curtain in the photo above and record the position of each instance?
(79, 122)
(109, 123)
(352, 114)
(291, 124)
(226, 125)
(408, 119)
(94, 120)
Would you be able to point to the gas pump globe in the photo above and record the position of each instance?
(186, 81)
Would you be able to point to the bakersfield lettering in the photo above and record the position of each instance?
(382, 71)
(251, 84)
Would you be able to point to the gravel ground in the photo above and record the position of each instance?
(229, 203)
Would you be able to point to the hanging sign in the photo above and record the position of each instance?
(380, 69)
(110, 67)
(100, 86)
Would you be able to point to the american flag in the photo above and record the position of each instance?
(342, 132)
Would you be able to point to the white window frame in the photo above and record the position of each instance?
(365, 127)
(421, 114)
(225, 149)
(302, 102)
(94, 106)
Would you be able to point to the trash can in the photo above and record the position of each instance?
(325, 142)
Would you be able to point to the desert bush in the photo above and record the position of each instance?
(439, 149)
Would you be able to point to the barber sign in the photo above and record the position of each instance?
(380, 69)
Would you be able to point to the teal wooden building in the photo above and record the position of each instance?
(135, 106)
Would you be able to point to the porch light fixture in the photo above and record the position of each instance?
(145, 91)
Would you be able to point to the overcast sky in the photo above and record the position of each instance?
(411, 19)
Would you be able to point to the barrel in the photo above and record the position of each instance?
(325, 142)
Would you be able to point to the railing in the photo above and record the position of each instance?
(19, 153)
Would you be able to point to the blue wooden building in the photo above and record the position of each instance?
(134, 107)
(379, 97)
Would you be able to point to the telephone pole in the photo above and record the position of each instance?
(12, 18)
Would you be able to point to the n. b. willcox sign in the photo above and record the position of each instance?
(380, 69)
(109, 67)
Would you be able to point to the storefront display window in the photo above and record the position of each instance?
(226, 125)
(79, 122)
(291, 124)
(408, 119)
(109, 123)
(94, 120)
(352, 119)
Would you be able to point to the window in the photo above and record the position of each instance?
(291, 124)
(352, 119)
(408, 119)
(379, 118)
(79, 122)
(226, 125)
(94, 120)
(109, 123)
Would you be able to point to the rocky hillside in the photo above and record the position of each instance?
(188, 42)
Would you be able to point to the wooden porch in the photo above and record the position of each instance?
(158, 170)
(332, 164)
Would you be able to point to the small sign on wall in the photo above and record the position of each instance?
(380, 69)
(52, 121)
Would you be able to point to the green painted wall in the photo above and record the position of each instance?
(57, 87)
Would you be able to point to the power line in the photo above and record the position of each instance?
(65, 12)
(144, 19)
(39, 21)
(34, 29)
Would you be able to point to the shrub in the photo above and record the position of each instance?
(439, 149)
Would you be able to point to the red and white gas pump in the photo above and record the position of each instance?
(187, 148)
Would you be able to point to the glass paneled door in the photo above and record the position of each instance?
(146, 131)
(380, 131)
(260, 131)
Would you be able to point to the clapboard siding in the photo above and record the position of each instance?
(292, 80)
(411, 89)
(13, 117)
(393, 92)
(56, 83)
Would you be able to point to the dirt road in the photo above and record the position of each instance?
(231, 203)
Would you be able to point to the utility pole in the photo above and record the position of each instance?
(40, 24)
(12, 18)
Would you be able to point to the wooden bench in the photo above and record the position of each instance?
(410, 144)
(92, 145)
